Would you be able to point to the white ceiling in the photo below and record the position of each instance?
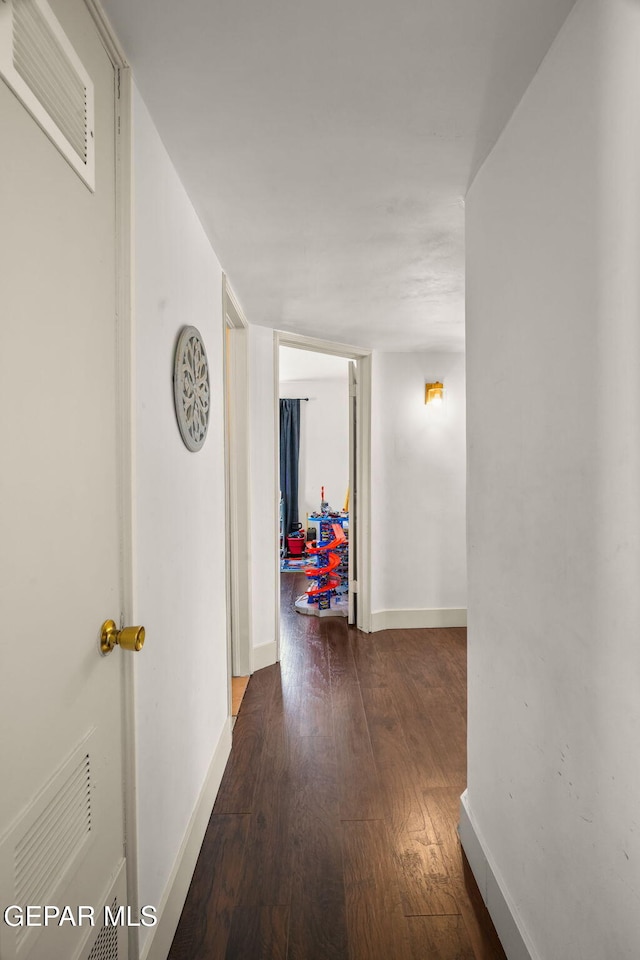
(297, 365)
(328, 146)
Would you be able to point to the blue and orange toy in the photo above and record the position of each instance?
(323, 596)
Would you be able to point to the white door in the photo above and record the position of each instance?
(61, 804)
(353, 494)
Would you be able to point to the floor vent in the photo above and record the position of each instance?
(106, 946)
(40, 65)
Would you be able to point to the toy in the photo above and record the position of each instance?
(325, 597)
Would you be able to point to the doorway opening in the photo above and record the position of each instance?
(314, 478)
(323, 427)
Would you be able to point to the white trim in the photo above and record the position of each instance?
(363, 455)
(237, 485)
(416, 619)
(276, 489)
(514, 938)
(126, 444)
(159, 943)
(232, 309)
(352, 494)
(363, 485)
(299, 342)
(265, 655)
(126, 418)
(107, 34)
(227, 506)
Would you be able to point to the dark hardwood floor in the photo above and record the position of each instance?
(333, 836)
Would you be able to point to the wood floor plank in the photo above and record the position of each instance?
(258, 934)
(342, 666)
(369, 665)
(402, 780)
(316, 718)
(450, 745)
(423, 880)
(238, 785)
(425, 887)
(266, 876)
(439, 938)
(419, 701)
(436, 656)
(203, 930)
(360, 795)
(317, 931)
(376, 926)
(315, 822)
(443, 807)
(425, 748)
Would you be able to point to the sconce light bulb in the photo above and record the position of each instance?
(433, 392)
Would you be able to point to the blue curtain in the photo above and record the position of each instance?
(289, 456)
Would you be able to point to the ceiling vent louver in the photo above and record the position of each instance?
(39, 64)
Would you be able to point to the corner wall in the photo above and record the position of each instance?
(418, 492)
(181, 675)
(553, 344)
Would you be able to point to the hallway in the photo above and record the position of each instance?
(333, 835)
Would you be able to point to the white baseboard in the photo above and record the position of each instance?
(158, 944)
(411, 619)
(265, 655)
(514, 938)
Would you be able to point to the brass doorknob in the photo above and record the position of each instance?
(130, 638)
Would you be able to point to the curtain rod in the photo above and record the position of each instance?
(295, 398)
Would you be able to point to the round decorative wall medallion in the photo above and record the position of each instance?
(191, 388)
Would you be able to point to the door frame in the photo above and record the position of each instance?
(362, 358)
(237, 487)
(125, 425)
(353, 493)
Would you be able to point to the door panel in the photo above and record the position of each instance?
(59, 533)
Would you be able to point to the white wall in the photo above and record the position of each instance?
(181, 675)
(553, 341)
(264, 495)
(324, 441)
(418, 491)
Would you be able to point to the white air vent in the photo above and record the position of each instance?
(43, 848)
(106, 946)
(53, 840)
(39, 64)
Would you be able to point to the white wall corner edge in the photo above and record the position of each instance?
(513, 937)
(265, 655)
(159, 942)
(416, 619)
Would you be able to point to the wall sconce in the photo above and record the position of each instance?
(433, 393)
